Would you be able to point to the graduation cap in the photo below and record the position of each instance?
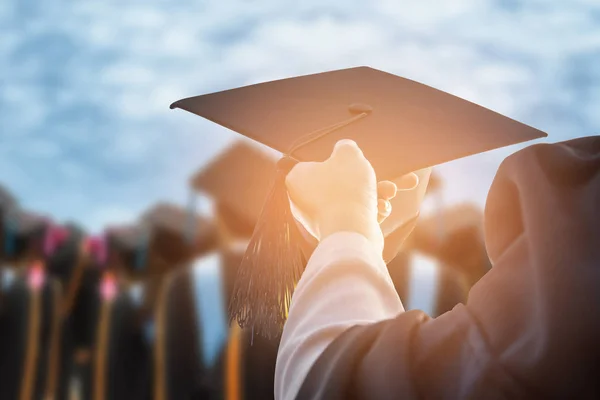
(433, 230)
(401, 126)
(7, 200)
(455, 236)
(128, 244)
(238, 180)
(177, 233)
(23, 231)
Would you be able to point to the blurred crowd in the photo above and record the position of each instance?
(140, 311)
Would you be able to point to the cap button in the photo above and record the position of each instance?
(359, 108)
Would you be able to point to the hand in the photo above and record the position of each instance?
(342, 194)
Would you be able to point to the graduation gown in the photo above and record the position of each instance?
(426, 284)
(83, 320)
(122, 353)
(70, 265)
(198, 354)
(530, 327)
(29, 336)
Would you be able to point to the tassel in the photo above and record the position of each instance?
(9, 236)
(274, 259)
(272, 264)
(97, 248)
(54, 237)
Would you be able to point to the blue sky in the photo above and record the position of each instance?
(85, 128)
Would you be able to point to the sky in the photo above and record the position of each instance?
(86, 133)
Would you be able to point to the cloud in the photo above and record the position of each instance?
(85, 87)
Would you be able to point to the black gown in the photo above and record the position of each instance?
(30, 316)
(29, 337)
(84, 320)
(198, 354)
(72, 267)
(122, 368)
(531, 325)
(123, 363)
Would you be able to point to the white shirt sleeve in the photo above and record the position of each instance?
(345, 283)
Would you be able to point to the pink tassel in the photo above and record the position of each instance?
(108, 287)
(36, 276)
(97, 248)
(55, 237)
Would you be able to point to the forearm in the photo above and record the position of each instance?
(345, 283)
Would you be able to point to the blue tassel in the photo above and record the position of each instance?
(9, 237)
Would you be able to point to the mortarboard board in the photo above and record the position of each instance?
(7, 200)
(401, 126)
(238, 180)
(169, 225)
(24, 233)
(454, 236)
(432, 230)
(128, 244)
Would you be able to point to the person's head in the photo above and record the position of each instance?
(23, 236)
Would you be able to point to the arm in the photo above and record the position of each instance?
(528, 330)
(345, 283)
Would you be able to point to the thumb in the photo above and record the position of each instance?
(345, 148)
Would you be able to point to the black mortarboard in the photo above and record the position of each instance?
(129, 245)
(237, 180)
(454, 236)
(24, 232)
(7, 200)
(431, 231)
(400, 125)
(169, 225)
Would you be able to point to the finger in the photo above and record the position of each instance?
(346, 147)
(384, 209)
(407, 182)
(386, 190)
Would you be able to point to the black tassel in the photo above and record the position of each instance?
(272, 264)
(274, 259)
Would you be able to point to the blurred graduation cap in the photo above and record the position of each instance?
(7, 200)
(401, 126)
(24, 233)
(430, 234)
(178, 234)
(455, 237)
(237, 180)
(128, 245)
